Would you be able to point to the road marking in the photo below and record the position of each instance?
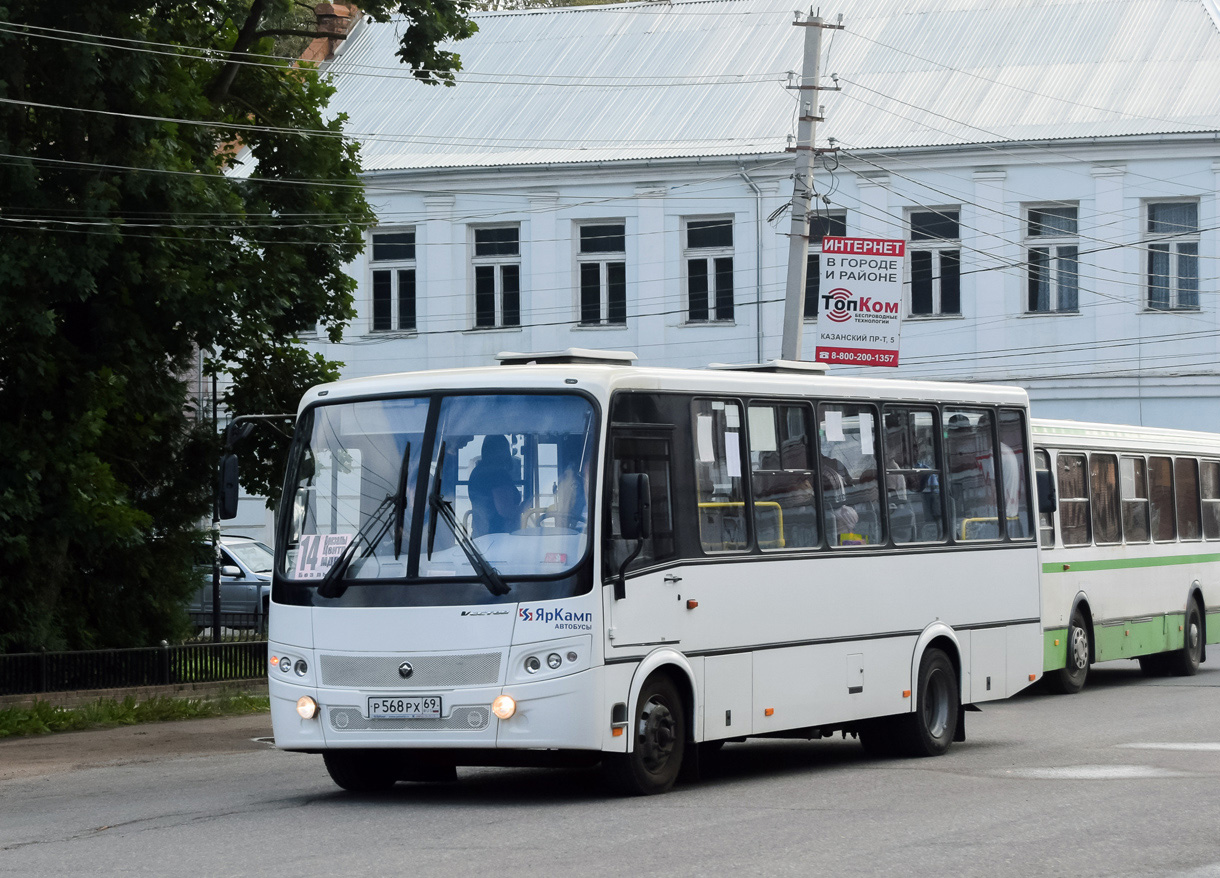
(1204, 745)
(1094, 772)
(1210, 871)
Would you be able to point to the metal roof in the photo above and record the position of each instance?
(706, 78)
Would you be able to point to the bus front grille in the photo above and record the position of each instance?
(410, 671)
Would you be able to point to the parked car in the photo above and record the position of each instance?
(245, 584)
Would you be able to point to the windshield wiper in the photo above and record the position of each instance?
(332, 584)
(434, 497)
(442, 508)
(400, 501)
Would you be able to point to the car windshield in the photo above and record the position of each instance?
(256, 556)
(504, 493)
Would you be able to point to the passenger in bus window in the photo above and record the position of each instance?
(972, 485)
(841, 518)
(494, 498)
(1012, 467)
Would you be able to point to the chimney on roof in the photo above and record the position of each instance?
(335, 19)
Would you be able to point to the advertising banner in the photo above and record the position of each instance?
(860, 301)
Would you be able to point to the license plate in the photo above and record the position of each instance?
(425, 707)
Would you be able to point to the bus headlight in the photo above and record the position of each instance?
(504, 706)
(307, 707)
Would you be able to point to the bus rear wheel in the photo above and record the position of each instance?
(359, 771)
(929, 730)
(658, 743)
(1185, 662)
(1069, 679)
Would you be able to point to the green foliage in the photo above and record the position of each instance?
(42, 718)
(428, 24)
(126, 251)
(272, 382)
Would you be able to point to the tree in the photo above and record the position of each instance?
(127, 251)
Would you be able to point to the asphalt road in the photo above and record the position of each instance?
(1120, 780)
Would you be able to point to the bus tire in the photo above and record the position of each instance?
(929, 730)
(1185, 662)
(658, 742)
(359, 771)
(1069, 679)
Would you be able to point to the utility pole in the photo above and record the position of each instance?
(215, 530)
(798, 237)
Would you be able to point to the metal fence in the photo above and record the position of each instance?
(33, 672)
(233, 626)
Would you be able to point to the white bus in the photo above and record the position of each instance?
(1131, 547)
(569, 560)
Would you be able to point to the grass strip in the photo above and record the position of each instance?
(43, 718)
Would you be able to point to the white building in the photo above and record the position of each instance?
(616, 177)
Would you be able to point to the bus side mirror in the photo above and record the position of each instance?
(226, 494)
(634, 506)
(1047, 502)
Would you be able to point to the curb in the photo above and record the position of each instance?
(201, 691)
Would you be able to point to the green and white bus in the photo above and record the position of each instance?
(1130, 535)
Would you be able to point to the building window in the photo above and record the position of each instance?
(497, 277)
(603, 274)
(936, 258)
(1173, 255)
(1052, 259)
(835, 225)
(708, 255)
(393, 263)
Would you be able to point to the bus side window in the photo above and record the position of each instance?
(1186, 482)
(1160, 471)
(972, 481)
(718, 475)
(1133, 478)
(1210, 484)
(849, 472)
(912, 475)
(1074, 500)
(1046, 518)
(1014, 466)
(641, 454)
(1103, 485)
(781, 476)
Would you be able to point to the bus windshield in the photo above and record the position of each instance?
(489, 488)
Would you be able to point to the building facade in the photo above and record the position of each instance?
(618, 177)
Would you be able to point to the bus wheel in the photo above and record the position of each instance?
(359, 771)
(1070, 679)
(659, 744)
(929, 730)
(1185, 663)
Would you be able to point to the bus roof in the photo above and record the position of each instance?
(1122, 437)
(602, 380)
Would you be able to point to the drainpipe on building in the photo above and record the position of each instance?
(758, 324)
